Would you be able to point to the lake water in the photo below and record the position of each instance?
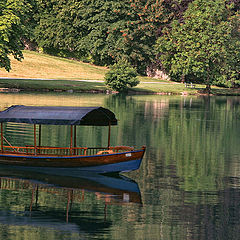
(188, 186)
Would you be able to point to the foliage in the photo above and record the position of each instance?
(29, 20)
(103, 32)
(12, 17)
(135, 32)
(75, 28)
(204, 47)
(121, 77)
(58, 31)
(97, 17)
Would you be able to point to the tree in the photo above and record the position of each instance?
(12, 16)
(103, 32)
(76, 28)
(121, 76)
(135, 31)
(205, 46)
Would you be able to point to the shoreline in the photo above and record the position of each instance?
(107, 92)
(15, 85)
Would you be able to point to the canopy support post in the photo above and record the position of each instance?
(75, 136)
(75, 139)
(2, 137)
(109, 134)
(35, 140)
(71, 140)
(39, 136)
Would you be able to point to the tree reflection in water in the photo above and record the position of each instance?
(45, 201)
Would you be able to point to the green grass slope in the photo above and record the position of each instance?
(39, 65)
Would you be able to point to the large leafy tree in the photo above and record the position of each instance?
(75, 28)
(13, 16)
(135, 31)
(205, 46)
(105, 31)
(137, 25)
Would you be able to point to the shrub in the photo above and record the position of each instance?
(121, 76)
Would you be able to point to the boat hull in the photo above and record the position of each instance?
(74, 165)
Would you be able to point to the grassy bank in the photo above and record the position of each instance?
(68, 76)
(39, 65)
(52, 85)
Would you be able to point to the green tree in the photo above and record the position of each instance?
(136, 27)
(103, 32)
(135, 31)
(12, 17)
(76, 28)
(205, 46)
(121, 76)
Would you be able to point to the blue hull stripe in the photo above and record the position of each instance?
(115, 167)
(76, 171)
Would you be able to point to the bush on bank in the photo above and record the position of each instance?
(121, 77)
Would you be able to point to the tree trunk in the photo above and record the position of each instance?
(183, 78)
(208, 88)
(208, 85)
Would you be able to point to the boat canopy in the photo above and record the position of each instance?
(90, 116)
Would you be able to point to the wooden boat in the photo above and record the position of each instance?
(72, 160)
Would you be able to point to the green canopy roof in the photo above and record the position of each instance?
(91, 116)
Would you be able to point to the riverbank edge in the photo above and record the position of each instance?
(98, 87)
(129, 92)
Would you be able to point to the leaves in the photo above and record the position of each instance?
(121, 76)
(205, 47)
(12, 17)
(102, 31)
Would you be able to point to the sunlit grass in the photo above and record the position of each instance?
(168, 87)
(179, 88)
(64, 85)
(149, 79)
(39, 65)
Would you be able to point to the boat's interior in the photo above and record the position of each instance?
(64, 151)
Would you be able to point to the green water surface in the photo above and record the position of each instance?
(189, 180)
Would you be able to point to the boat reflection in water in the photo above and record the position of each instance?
(58, 201)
